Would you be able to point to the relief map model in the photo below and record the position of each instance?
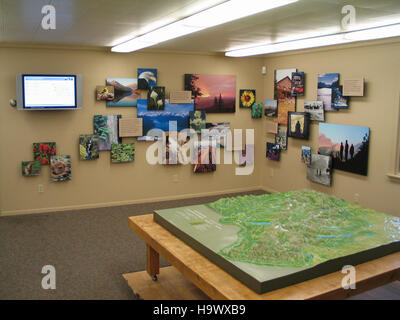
(273, 235)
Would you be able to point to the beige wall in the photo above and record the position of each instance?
(380, 66)
(97, 182)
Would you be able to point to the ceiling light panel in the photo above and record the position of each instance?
(217, 15)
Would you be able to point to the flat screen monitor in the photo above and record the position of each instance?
(48, 92)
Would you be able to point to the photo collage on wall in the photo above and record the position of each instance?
(45, 154)
(288, 85)
(214, 93)
(208, 93)
(340, 147)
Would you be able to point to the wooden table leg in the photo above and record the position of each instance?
(153, 262)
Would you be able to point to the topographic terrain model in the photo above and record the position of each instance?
(274, 240)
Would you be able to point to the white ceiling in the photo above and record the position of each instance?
(108, 22)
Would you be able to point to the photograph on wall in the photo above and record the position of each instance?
(247, 98)
(326, 81)
(347, 145)
(126, 92)
(315, 109)
(60, 168)
(156, 98)
(42, 151)
(271, 108)
(297, 84)
(122, 152)
(146, 78)
(106, 128)
(283, 94)
(338, 100)
(105, 93)
(246, 156)
(212, 93)
(299, 125)
(281, 138)
(320, 169)
(306, 155)
(273, 151)
(170, 155)
(205, 157)
(197, 120)
(31, 168)
(176, 152)
(159, 119)
(256, 110)
(88, 146)
(218, 132)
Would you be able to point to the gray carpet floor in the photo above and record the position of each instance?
(90, 250)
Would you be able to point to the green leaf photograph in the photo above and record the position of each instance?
(122, 152)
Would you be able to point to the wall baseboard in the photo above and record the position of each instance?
(269, 190)
(127, 202)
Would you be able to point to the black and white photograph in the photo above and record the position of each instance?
(320, 170)
(315, 109)
(281, 138)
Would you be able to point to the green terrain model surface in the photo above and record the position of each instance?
(301, 229)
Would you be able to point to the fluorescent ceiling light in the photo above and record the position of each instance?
(333, 39)
(222, 13)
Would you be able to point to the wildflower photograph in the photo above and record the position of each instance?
(156, 98)
(42, 151)
(197, 120)
(247, 98)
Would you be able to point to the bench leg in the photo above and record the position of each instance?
(153, 262)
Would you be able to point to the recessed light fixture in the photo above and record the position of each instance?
(381, 32)
(219, 14)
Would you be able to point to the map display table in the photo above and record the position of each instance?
(272, 241)
(218, 284)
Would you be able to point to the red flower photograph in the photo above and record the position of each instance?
(43, 150)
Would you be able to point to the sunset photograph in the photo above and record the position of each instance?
(348, 146)
(212, 93)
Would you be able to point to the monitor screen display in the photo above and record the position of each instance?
(49, 91)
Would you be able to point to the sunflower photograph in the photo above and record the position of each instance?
(247, 98)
